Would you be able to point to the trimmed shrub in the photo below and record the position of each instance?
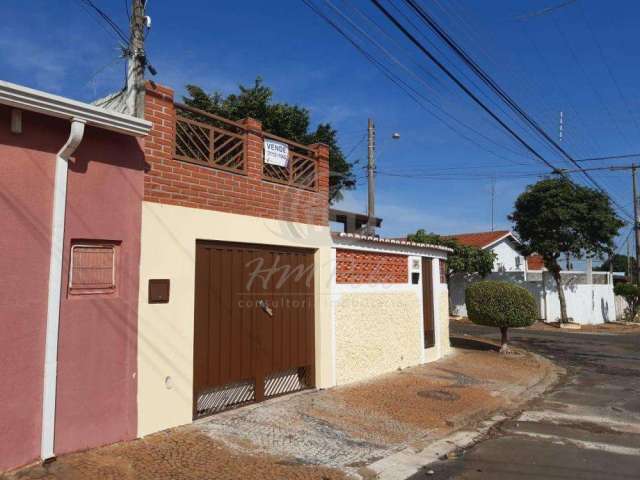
(500, 304)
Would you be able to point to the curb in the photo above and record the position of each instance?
(410, 461)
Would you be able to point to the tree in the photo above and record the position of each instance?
(555, 217)
(463, 259)
(631, 294)
(500, 304)
(620, 264)
(282, 119)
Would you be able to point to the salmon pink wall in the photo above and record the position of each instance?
(96, 391)
(26, 177)
(97, 359)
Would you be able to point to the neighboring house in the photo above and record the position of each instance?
(589, 295)
(70, 195)
(350, 222)
(501, 242)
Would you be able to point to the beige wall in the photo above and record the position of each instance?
(165, 331)
(376, 332)
(378, 328)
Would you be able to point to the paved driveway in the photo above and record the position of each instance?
(588, 427)
(321, 435)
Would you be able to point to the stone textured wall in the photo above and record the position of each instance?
(353, 266)
(376, 333)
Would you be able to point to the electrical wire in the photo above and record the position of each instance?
(430, 22)
(416, 96)
(108, 20)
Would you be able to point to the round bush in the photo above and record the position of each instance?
(500, 304)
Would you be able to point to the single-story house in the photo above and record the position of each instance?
(152, 281)
(244, 292)
(589, 294)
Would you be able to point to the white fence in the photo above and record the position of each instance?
(587, 302)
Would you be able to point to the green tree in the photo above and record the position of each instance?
(556, 217)
(619, 263)
(463, 259)
(500, 304)
(282, 119)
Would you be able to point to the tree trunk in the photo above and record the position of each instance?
(504, 340)
(563, 303)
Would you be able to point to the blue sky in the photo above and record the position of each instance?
(581, 59)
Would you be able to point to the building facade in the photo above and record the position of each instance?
(71, 190)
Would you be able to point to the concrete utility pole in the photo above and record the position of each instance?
(636, 225)
(371, 177)
(137, 60)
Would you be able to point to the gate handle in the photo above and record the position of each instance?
(263, 305)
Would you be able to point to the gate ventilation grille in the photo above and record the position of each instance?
(221, 398)
(286, 381)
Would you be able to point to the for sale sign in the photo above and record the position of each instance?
(276, 153)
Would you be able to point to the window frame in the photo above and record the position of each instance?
(113, 246)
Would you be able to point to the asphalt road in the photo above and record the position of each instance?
(587, 427)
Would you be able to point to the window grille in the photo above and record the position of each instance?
(93, 268)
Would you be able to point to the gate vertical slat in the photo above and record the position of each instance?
(226, 301)
(214, 317)
(247, 319)
(276, 320)
(302, 318)
(235, 367)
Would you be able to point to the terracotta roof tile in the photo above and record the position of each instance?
(478, 239)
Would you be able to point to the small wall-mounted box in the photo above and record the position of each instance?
(159, 290)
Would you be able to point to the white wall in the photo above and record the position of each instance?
(586, 304)
(506, 257)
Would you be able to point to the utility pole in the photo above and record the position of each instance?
(636, 223)
(137, 60)
(371, 178)
(628, 260)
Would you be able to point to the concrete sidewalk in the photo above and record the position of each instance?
(376, 429)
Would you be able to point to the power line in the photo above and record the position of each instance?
(406, 88)
(466, 90)
(433, 25)
(108, 20)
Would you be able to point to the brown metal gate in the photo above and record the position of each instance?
(254, 324)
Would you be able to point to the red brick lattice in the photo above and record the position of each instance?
(353, 266)
(188, 175)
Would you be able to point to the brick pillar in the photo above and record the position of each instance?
(158, 145)
(254, 146)
(322, 157)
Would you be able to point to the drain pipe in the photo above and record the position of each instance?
(55, 286)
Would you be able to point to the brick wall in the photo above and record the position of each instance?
(176, 182)
(353, 266)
